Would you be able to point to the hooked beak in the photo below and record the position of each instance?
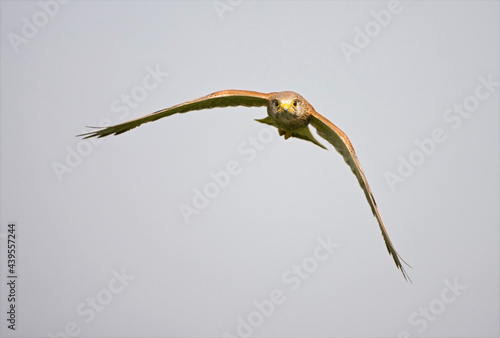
(285, 107)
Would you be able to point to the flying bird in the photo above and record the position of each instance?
(291, 114)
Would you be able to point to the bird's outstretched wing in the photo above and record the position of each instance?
(224, 98)
(340, 141)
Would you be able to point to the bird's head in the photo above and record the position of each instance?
(288, 103)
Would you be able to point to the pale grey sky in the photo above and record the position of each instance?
(210, 224)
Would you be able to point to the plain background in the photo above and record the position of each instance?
(117, 208)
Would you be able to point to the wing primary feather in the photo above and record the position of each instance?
(342, 144)
(221, 99)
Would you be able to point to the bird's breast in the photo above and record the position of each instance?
(288, 120)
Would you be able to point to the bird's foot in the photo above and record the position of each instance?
(287, 134)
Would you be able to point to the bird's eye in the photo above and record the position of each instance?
(276, 103)
(294, 103)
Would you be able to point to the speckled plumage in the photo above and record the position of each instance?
(291, 114)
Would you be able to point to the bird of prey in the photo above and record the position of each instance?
(291, 114)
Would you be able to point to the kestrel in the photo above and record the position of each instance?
(291, 114)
